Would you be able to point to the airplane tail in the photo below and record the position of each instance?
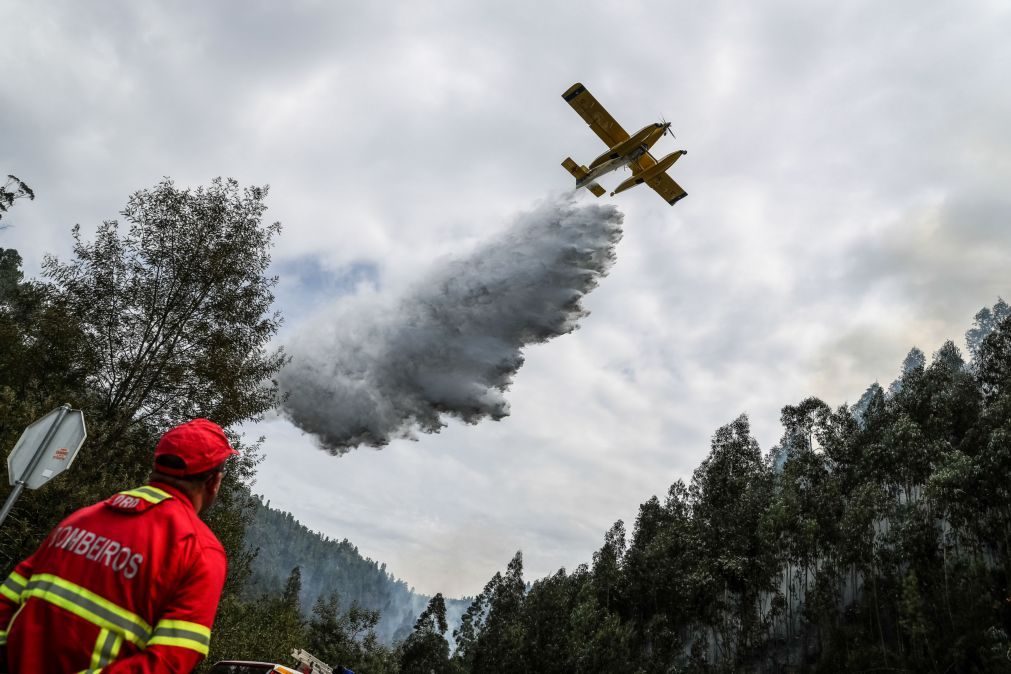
(579, 172)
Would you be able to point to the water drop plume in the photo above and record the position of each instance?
(373, 368)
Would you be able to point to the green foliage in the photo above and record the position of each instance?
(11, 191)
(330, 567)
(472, 625)
(343, 638)
(177, 308)
(426, 650)
(141, 331)
(500, 646)
(872, 538)
(985, 322)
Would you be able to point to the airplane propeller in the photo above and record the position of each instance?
(666, 127)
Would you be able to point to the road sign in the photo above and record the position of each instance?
(45, 449)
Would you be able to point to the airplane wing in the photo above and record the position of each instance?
(665, 186)
(642, 163)
(662, 184)
(594, 114)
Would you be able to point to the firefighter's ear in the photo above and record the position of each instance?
(215, 482)
(210, 490)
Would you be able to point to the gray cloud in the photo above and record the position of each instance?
(847, 171)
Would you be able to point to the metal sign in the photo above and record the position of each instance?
(46, 448)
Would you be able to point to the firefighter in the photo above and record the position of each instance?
(129, 584)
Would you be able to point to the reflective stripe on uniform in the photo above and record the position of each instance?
(13, 587)
(3, 638)
(148, 493)
(89, 606)
(106, 649)
(182, 634)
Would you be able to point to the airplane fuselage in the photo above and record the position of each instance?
(624, 152)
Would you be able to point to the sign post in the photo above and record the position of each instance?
(46, 449)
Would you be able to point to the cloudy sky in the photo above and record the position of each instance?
(847, 176)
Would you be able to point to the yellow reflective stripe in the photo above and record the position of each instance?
(96, 654)
(13, 586)
(180, 642)
(182, 634)
(3, 638)
(89, 606)
(106, 649)
(203, 630)
(148, 493)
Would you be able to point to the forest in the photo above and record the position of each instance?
(327, 567)
(872, 537)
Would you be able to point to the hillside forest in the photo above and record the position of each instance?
(327, 567)
(871, 537)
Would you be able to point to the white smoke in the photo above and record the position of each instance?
(380, 368)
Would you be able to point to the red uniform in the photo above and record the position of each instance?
(130, 584)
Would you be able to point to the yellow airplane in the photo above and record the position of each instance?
(623, 150)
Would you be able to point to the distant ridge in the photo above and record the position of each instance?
(327, 566)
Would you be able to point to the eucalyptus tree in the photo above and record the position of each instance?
(985, 321)
(345, 638)
(730, 492)
(607, 568)
(426, 651)
(472, 625)
(12, 190)
(500, 646)
(548, 610)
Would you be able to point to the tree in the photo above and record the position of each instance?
(433, 618)
(13, 190)
(607, 566)
(177, 308)
(44, 362)
(330, 637)
(292, 589)
(993, 363)
(267, 627)
(10, 273)
(164, 323)
(287, 628)
(547, 614)
(500, 647)
(911, 366)
(982, 479)
(472, 625)
(985, 322)
(426, 650)
(872, 398)
(169, 321)
(730, 492)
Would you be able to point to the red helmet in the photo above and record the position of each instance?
(192, 448)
